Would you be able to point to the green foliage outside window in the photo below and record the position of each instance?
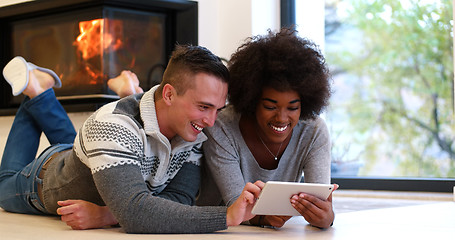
(392, 65)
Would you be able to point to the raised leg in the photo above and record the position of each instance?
(39, 112)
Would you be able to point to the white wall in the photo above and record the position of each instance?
(225, 24)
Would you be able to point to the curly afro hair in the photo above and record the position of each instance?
(284, 62)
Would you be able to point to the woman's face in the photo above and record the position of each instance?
(277, 113)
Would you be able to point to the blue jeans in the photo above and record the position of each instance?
(19, 169)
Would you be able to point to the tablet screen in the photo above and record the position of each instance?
(275, 197)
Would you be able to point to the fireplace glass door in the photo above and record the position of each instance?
(86, 48)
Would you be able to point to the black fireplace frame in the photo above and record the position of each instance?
(181, 27)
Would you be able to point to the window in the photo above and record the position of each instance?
(391, 118)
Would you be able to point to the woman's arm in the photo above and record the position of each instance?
(316, 162)
(184, 186)
(317, 212)
(223, 164)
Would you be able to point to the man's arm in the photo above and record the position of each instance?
(184, 187)
(161, 215)
(138, 211)
(80, 214)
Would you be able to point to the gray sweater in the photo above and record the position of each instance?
(230, 163)
(121, 159)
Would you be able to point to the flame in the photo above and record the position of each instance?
(94, 39)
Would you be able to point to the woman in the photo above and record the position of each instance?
(271, 130)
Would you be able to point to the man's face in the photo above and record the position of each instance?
(197, 107)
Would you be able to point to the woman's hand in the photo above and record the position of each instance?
(80, 214)
(316, 212)
(240, 210)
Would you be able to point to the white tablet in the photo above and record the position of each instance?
(275, 197)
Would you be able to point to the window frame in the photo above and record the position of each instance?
(287, 13)
(396, 184)
(288, 18)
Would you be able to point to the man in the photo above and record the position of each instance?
(138, 156)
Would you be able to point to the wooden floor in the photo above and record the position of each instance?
(359, 215)
(359, 200)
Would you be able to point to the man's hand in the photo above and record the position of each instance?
(269, 220)
(316, 212)
(240, 210)
(79, 214)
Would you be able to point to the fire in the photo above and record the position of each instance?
(94, 39)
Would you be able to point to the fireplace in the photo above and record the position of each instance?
(86, 42)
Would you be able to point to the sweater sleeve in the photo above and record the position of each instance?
(138, 211)
(184, 186)
(223, 163)
(318, 160)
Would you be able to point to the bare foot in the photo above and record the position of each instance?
(125, 84)
(38, 83)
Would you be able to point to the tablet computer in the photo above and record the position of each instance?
(274, 198)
